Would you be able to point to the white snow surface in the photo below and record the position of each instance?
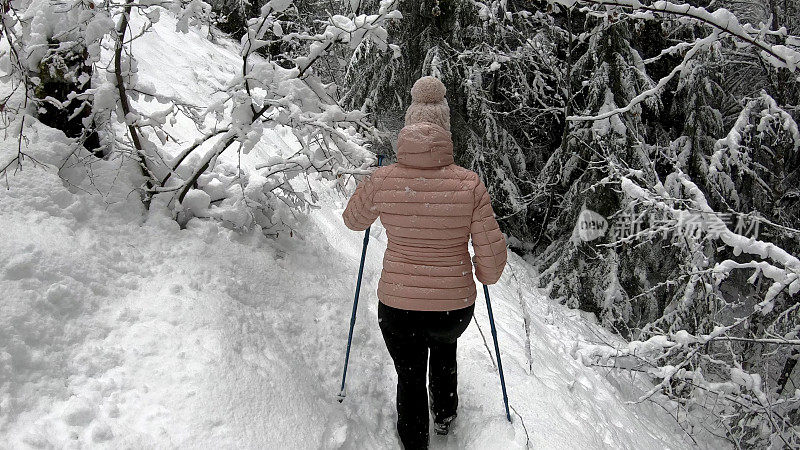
(118, 329)
(131, 333)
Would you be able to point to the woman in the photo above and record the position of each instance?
(430, 207)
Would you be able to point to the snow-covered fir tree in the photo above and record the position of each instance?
(502, 66)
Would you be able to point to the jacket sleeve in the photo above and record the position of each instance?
(361, 211)
(488, 241)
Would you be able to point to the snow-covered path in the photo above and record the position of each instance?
(123, 331)
(141, 334)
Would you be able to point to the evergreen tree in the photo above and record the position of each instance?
(503, 71)
(608, 74)
(697, 104)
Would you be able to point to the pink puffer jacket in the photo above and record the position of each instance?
(430, 207)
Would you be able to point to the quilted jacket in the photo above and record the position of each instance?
(430, 208)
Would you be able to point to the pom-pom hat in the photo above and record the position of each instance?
(428, 103)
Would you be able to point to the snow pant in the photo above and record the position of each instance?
(408, 336)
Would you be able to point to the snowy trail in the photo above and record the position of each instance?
(139, 335)
(121, 333)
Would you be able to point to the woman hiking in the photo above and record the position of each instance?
(430, 208)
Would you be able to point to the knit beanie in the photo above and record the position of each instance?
(428, 103)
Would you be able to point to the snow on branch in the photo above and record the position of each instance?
(698, 45)
(690, 366)
(791, 265)
(277, 86)
(729, 153)
(284, 90)
(688, 369)
(722, 21)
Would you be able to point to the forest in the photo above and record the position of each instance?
(642, 155)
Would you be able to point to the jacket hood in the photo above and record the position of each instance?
(424, 145)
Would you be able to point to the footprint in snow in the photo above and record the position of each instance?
(335, 434)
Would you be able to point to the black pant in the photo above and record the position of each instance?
(408, 336)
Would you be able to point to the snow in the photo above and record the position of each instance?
(138, 334)
(197, 201)
(607, 122)
(119, 329)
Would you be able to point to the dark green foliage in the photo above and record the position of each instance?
(504, 87)
(231, 16)
(61, 73)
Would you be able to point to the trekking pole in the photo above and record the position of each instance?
(342, 393)
(497, 350)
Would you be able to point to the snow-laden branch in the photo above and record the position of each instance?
(788, 276)
(678, 358)
(739, 243)
(729, 154)
(267, 94)
(698, 45)
(722, 21)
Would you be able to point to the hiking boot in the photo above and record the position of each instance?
(443, 427)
